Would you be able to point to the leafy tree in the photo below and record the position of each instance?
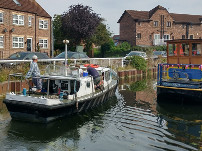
(100, 38)
(80, 23)
(125, 46)
(57, 32)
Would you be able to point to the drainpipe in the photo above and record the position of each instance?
(35, 33)
(135, 32)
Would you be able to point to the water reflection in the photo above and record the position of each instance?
(131, 121)
(64, 134)
(183, 121)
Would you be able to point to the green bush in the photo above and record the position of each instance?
(138, 62)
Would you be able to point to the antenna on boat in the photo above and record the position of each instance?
(65, 42)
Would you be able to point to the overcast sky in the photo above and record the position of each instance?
(111, 10)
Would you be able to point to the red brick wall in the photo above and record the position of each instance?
(22, 31)
(147, 29)
(127, 29)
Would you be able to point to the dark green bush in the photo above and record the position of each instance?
(138, 62)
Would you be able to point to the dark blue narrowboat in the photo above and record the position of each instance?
(181, 76)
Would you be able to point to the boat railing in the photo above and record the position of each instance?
(56, 70)
(179, 72)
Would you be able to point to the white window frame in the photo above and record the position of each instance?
(156, 23)
(43, 24)
(156, 36)
(29, 21)
(1, 17)
(168, 24)
(18, 19)
(18, 42)
(1, 41)
(43, 43)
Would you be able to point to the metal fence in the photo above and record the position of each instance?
(107, 62)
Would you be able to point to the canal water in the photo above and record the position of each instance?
(131, 121)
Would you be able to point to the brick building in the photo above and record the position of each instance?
(154, 26)
(24, 26)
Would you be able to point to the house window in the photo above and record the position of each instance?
(183, 36)
(18, 42)
(1, 17)
(138, 35)
(43, 43)
(1, 41)
(139, 23)
(191, 36)
(156, 23)
(18, 19)
(168, 24)
(156, 36)
(166, 37)
(43, 24)
(30, 21)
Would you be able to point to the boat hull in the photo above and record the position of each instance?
(43, 113)
(179, 94)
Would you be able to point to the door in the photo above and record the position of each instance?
(29, 44)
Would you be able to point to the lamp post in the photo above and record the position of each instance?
(65, 42)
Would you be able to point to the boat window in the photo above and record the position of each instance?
(184, 49)
(196, 49)
(107, 75)
(172, 49)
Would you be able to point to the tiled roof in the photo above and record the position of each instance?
(30, 6)
(178, 18)
(195, 19)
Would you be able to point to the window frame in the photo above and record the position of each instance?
(29, 21)
(43, 24)
(20, 21)
(17, 43)
(190, 36)
(2, 41)
(156, 23)
(168, 24)
(2, 18)
(43, 44)
(139, 35)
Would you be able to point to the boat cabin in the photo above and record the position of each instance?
(184, 51)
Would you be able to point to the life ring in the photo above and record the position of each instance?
(91, 65)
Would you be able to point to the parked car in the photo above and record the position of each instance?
(71, 55)
(159, 53)
(136, 53)
(27, 56)
(24, 56)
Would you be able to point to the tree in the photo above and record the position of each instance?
(100, 37)
(80, 23)
(57, 32)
